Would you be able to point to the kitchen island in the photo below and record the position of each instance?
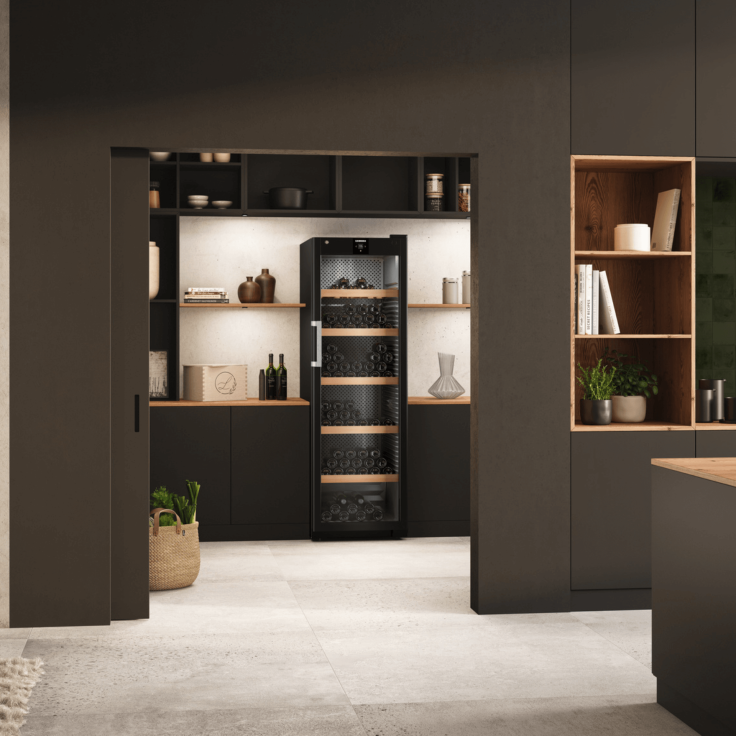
(694, 591)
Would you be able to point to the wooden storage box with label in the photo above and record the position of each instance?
(215, 382)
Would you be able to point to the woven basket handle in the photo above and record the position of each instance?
(157, 512)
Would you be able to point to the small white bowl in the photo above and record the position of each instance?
(198, 205)
(222, 158)
(159, 155)
(205, 158)
(198, 200)
(221, 204)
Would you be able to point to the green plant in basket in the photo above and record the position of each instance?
(597, 381)
(186, 508)
(631, 378)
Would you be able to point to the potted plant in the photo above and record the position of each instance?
(633, 384)
(597, 383)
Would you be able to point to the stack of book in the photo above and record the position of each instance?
(594, 310)
(206, 295)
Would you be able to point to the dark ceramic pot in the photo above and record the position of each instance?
(249, 291)
(596, 412)
(268, 286)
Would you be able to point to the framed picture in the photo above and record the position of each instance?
(158, 374)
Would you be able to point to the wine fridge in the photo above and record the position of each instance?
(353, 372)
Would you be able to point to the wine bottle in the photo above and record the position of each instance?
(326, 471)
(338, 357)
(374, 358)
(388, 470)
(352, 507)
(360, 515)
(332, 349)
(343, 516)
(357, 366)
(369, 463)
(326, 423)
(331, 463)
(345, 366)
(377, 514)
(362, 471)
(356, 462)
(337, 471)
(344, 320)
(374, 471)
(362, 454)
(349, 422)
(331, 415)
(344, 463)
(326, 515)
(369, 319)
(338, 454)
(379, 347)
(375, 374)
(350, 374)
(381, 462)
(369, 366)
(388, 358)
(374, 453)
(334, 506)
(270, 379)
(281, 379)
(373, 422)
(350, 471)
(262, 385)
(337, 374)
(381, 366)
(350, 454)
(362, 422)
(381, 320)
(337, 423)
(342, 499)
(350, 405)
(338, 405)
(325, 406)
(369, 507)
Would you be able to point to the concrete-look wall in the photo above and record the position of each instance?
(4, 311)
(223, 251)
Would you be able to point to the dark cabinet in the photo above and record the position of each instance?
(439, 470)
(193, 443)
(611, 505)
(716, 78)
(633, 77)
(715, 443)
(270, 470)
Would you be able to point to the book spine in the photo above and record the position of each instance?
(589, 300)
(673, 220)
(609, 315)
(596, 298)
(580, 270)
(575, 305)
(206, 301)
(206, 290)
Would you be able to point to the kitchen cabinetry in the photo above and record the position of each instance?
(720, 442)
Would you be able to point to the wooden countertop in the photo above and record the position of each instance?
(430, 400)
(248, 402)
(718, 469)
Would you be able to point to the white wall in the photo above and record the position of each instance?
(223, 251)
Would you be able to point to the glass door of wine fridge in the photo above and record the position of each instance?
(353, 372)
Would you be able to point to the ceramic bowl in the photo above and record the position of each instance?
(205, 158)
(159, 156)
(221, 204)
(199, 199)
(222, 158)
(197, 205)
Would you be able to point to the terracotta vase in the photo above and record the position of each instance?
(249, 291)
(268, 286)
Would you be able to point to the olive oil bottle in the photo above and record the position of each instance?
(281, 379)
(270, 379)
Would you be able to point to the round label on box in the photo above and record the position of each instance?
(225, 383)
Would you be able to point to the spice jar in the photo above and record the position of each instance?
(449, 291)
(463, 198)
(154, 198)
(433, 203)
(433, 183)
(466, 287)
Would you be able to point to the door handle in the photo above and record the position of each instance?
(137, 413)
(318, 345)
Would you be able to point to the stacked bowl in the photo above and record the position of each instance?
(198, 201)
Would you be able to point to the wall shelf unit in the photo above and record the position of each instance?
(360, 479)
(439, 306)
(360, 430)
(238, 305)
(653, 293)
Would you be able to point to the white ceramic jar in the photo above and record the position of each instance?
(222, 158)
(449, 291)
(153, 270)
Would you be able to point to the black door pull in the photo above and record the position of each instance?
(137, 413)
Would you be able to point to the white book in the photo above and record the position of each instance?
(665, 219)
(596, 294)
(608, 321)
(589, 300)
(580, 274)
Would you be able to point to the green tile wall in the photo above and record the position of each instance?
(715, 279)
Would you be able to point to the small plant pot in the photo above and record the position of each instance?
(595, 412)
(629, 409)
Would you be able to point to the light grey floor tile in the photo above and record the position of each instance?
(10, 648)
(631, 631)
(14, 633)
(617, 715)
(182, 672)
(481, 662)
(334, 720)
(237, 562)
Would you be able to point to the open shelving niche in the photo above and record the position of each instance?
(653, 293)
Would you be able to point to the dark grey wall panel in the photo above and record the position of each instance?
(129, 438)
(611, 505)
(633, 77)
(716, 78)
(715, 443)
(354, 77)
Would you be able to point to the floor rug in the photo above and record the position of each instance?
(17, 678)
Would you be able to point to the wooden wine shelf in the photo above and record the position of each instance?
(616, 255)
(248, 402)
(439, 306)
(360, 430)
(432, 401)
(357, 332)
(633, 427)
(714, 425)
(360, 381)
(243, 306)
(633, 337)
(359, 293)
(360, 478)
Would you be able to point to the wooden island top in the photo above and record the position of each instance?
(718, 469)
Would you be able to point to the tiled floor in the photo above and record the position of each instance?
(343, 639)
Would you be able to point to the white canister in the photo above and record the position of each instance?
(434, 183)
(631, 237)
(153, 269)
(449, 291)
(466, 287)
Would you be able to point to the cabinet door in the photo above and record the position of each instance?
(439, 468)
(611, 495)
(270, 465)
(633, 77)
(193, 443)
(715, 443)
(716, 80)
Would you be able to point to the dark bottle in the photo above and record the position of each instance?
(350, 405)
(338, 357)
(381, 462)
(374, 453)
(337, 423)
(389, 422)
(356, 462)
(331, 463)
(375, 374)
(350, 454)
(357, 366)
(362, 422)
(344, 414)
(359, 500)
(326, 515)
(344, 320)
(332, 415)
(337, 374)
(331, 318)
(350, 309)
(345, 366)
(374, 358)
(338, 405)
(369, 366)
(379, 347)
(375, 471)
(357, 319)
(369, 463)
(281, 379)
(362, 454)
(338, 454)
(369, 319)
(360, 515)
(262, 385)
(352, 506)
(343, 283)
(362, 471)
(325, 358)
(326, 423)
(332, 367)
(334, 506)
(349, 422)
(361, 283)
(369, 507)
(373, 309)
(388, 358)
(270, 379)
(326, 374)
(350, 374)
(381, 320)
(343, 515)
(350, 471)
(325, 406)
(363, 374)
(381, 367)
(342, 499)
(326, 471)
(332, 349)
(374, 422)
(388, 470)
(337, 471)
(377, 514)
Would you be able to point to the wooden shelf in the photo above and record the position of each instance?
(616, 255)
(247, 403)
(360, 430)
(632, 337)
(242, 306)
(360, 478)
(359, 293)
(357, 332)
(431, 401)
(709, 426)
(360, 381)
(210, 212)
(653, 426)
(439, 306)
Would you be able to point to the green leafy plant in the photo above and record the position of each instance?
(597, 381)
(186, 508)
(631, 378)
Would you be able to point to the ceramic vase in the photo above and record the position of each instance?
(249, 291)
(268, 286)
(596, 412)
(446, 387)
(153, 269)
(222, 158)
(629, 409)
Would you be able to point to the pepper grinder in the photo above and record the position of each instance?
(262, 385)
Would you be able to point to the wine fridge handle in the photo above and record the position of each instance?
(318, 345)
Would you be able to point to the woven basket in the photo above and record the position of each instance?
(173, 553)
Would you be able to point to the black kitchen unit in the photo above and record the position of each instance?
(353, 373)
